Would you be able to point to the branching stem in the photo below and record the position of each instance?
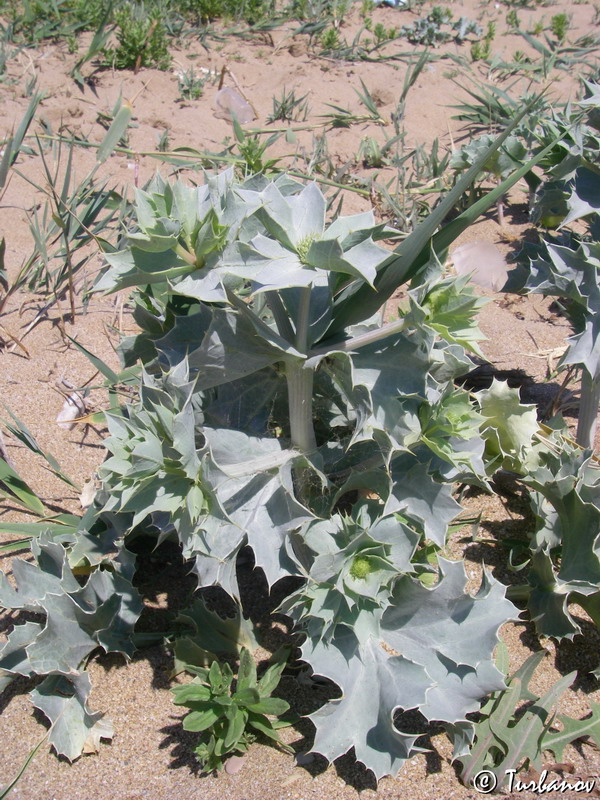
(184, 253)
(364, 339)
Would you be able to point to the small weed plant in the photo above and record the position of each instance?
(191, 84)
(559, 25)
(141, 40)
(229, 718)
(289, 108)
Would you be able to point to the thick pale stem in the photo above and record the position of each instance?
(300, 384)
(302, 323)
(588, 409)
(300, 391)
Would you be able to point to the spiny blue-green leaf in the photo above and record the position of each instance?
(227, 349)
(253, 482)
(13, 654)
(585, 194)
(509, 427)
(548, 600)
(75, 729)
(500, 164)
(78, 618)
(363, 718)
(442, 639)
(213, 633)
(561, 271)
(135, 267)
(452, 634)
(52, 576)
(294, 218)
(68, 635)
(417, 495)
(451, 308)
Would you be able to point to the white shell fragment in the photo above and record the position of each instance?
(483, 262)
(72, 408)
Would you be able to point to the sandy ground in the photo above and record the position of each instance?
(150, 757)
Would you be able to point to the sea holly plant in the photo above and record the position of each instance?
(571, 273)
(563, 480)
(75, 620)
(277, 411)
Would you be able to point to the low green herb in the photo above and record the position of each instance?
(229, 716)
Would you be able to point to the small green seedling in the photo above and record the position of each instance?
(230, 719)
(190, 84)
(512, 21)
(289, 108)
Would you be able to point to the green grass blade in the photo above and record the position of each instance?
(412, 73)
(18, 490)
(9, 548)
(405, 261)
(21, 432)
(58, 524)
(24, 124)
(8, 789)
(99, 39)
(537, 45)
(114, 134)
(67, 179)
(100, 365)
(450, 232)
(3, 274)
(6, 161)
(13, 145)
